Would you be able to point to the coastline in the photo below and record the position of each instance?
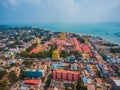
(104, 30)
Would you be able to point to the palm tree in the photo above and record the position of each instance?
(73, 86)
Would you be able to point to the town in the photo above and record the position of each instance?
(38, 59)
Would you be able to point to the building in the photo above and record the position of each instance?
(70, 74)
(58, 65)
(54, 74)
(85, 49)
(59, 75)
(116, 67)
(55, 55)
(115, 84)
(34, 73)
(66, 75)
(76, 76)
(31, 84)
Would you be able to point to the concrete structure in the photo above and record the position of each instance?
(58, 65)
(66, 75)
(59, 74)
(31, 84)
(76, 76)
(70, 74)
(54, 74)
(85, 49)
(34, 73)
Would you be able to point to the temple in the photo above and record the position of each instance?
(55, 55)
(63, 43)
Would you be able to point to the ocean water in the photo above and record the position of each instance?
(95, 29)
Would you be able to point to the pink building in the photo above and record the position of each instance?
(54, 74)
(75, 76)
(85, 48)
(70, 76)
(59, 74)
(64, 75)
(77, 45)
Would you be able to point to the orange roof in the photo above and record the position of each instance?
(35, 50)
(33, 82)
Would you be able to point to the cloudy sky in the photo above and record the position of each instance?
(44, 11)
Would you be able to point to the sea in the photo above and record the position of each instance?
(104, 30)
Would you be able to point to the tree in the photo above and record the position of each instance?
(27, 63)
(73, 86)
(2, 73)
(110, 44)
(80, 39)
(115, 50)
(43, 78)
(63, 54)
(31, 47)
(24, 54)
(23, 75)
(76, 53)
(66, 88)
(80, 85)
(13, 77)
(3, 85)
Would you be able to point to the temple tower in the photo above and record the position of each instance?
(62, 35)
(86, 41)
(55, 55)
(38, 41)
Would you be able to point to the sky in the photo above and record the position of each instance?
(59, 11)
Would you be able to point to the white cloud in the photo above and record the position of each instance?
(34, 1)
(15, 3)
(66, 10)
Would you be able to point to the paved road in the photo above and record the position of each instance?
(43, 85)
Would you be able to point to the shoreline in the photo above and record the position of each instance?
(109, 37)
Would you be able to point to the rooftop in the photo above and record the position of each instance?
(33, 82)
(117, 82)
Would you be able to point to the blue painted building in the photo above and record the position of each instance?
(34, 73)
(60, 64)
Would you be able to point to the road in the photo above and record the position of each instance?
(43, 85)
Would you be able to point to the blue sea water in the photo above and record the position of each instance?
(95, 29)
